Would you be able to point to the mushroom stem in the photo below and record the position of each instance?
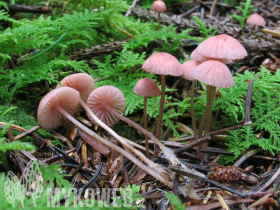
(123, 141)
(168, 153)
(206, 116)
(192, 110)
(160, 110)
(212, 91)
(158, 20)
(210, 94)
(115, 147)
(146, 127)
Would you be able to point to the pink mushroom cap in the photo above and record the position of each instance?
(106, 95)
(146, 87)
(256, 20)
(222, 46)
(164, 64)
(65, 97)
(201, 58)
(82, 82)
(159, 6)
(188, 67)
(214, 73)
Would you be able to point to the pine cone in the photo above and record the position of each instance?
(226, 174)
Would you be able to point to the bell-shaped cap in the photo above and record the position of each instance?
(65, 97)
(106, 95)
(158, 6)
(164, 64)
(146, 87)
(256, 20)
(222, 46)
(213, 73)
(82, 82)
(201, 58)
(188, 68)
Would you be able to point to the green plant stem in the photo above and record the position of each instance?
(49, 48)
(146, 127)
(160, 111)
(115, 147)
(192, 110)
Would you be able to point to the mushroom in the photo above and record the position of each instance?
(84, 84)
(63, 102)
(162, 63)
(188, 68)
(201, 58)
(214, 74)
(257, 20)
(107, 101)
(148, 88)
(158, 6)
(221, 47)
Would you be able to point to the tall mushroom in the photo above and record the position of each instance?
(84, 84)
(162, 63)
(63, 102)
(188, 68)
(147, 88)
(223, 48)
(214, 74)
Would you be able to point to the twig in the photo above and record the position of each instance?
(247, 155)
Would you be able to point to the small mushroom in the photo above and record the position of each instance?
(102, 104)
(159, 6)
(188, 68)
(162, 63)
(148, 88)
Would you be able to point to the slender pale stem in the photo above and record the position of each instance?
(115, 147)
(146, 127)
(158, 20)
(192, 110)
(120, 139)
(203, 118)
(212, 91)
(171, 157)
(160, 110)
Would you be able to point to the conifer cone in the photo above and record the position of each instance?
(226, 174)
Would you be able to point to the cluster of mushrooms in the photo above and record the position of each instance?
(105, 105)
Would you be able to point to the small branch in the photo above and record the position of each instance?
(29, 9)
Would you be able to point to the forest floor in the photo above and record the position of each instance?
(238, 169)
